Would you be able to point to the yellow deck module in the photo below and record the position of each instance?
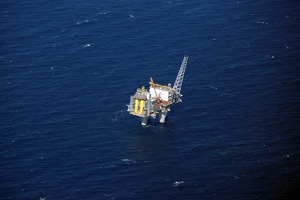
(141, 106)
(136, 106)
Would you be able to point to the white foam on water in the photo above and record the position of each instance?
(213, 87)
(83, 21)
(177, 183)
(128, 161)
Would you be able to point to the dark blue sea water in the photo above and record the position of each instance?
(68, 69)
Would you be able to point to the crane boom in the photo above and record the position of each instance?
(180, 75)
(153, 86)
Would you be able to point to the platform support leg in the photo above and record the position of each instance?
(162, 116)
(144, 121)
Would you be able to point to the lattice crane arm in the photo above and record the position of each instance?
(180, 75)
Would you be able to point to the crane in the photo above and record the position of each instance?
(179, 79)
(153, 86)
(158, 99)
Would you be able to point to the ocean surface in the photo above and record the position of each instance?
(68, 69)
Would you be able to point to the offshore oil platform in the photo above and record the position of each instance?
(158, 99)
